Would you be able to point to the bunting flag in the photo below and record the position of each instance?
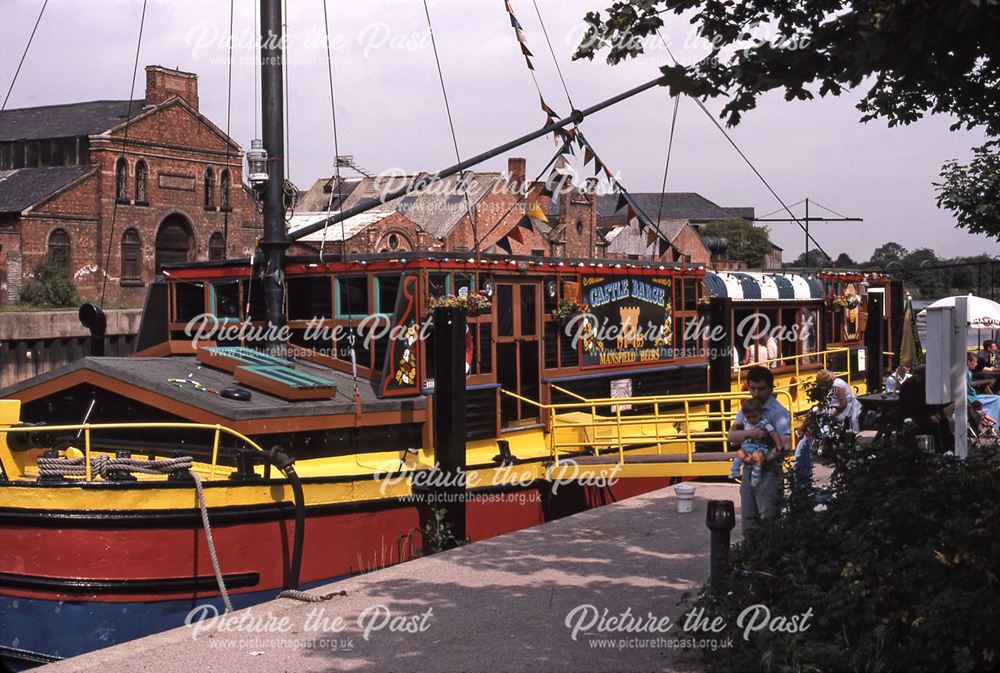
(515, 233)
(535, 212)
(587, 155)
(504, 244)
(651, 237)
(622, 202)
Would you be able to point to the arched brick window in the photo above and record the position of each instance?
(216, 247)
(141, 173)
(209, 188)
(131, 256)
(224, 184)
(59, 248)
(121, 180)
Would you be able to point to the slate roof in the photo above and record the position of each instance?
(317, 198)
(62, 121)
(24, 187)
(676, 206)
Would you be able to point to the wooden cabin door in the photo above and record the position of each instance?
(518, 349)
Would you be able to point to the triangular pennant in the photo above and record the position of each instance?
(664, 246)
(515, 233)
(562, 164)
(587, 155)
(622, 202)
(651, 237)
(630, 214)
(527, 53)
(504, 245)
(607, 172)
(521, 37)
(598, 166)
(535, 212)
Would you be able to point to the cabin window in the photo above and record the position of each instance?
(386, 288)
(121, 180)
(505, 310)
(352, 297)
(190, 298)
(690, 290)
(529, 303)
(466, 280)
(438, 284)
(216, 247)
(141, 173)
(225, 298)
(310, 298)
(808, 322)
(131, 256)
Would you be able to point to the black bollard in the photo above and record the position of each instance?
(720, 519)
(449, 414)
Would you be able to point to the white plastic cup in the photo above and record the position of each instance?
(685, 497)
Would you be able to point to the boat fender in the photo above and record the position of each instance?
(235, 394)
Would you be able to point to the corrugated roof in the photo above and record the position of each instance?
(317, 197)
(61, 121)
(24, 187)
(351, 226)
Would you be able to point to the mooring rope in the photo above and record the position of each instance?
(298, 595)
(211, 543)
(104, 465)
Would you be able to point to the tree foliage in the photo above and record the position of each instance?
(913, 57)
(898, 571)
(885, 254)
(972, 191)
(816, 259)
(50, 286)
(747, 243)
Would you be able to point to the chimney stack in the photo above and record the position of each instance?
(162, 84)
(515, 169)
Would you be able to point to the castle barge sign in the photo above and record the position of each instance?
(631, 321)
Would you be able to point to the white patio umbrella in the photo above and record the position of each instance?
(983, 313)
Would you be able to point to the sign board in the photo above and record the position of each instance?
(631, 320)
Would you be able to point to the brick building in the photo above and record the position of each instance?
(436, 218)
(77, 182)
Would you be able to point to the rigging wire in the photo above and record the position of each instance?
(555, 61)
(256, 72)
(742, 155)
(666, 167)
(24, 54)
(781, 210)
(128, 121)
(351, 337)
(524, 195)
(226, 196)
(553, 53)
(460, 183)
(831, 210)
(286, 90)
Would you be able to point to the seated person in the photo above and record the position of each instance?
(895, 380)
(754, 451)
(844, 405)
(986, 402)
(987, 367)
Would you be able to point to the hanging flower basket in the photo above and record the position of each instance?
(843, 301)
(474, 303)
(567, 310)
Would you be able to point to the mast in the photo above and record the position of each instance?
(274, 242)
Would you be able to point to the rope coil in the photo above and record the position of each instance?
(104, 465)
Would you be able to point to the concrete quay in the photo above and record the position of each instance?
(498, 605)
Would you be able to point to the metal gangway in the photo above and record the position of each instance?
(648, 436)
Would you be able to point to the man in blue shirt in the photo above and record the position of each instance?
(764, 500)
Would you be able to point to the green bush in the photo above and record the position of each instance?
(50, 286)
(900, 571)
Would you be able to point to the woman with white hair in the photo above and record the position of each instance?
(843, 403)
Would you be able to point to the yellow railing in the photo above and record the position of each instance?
(675, 419)
(820, 356)
(86, 428)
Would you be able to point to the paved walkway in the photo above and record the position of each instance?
(498, 605)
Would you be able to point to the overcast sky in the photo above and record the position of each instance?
(391, 115)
